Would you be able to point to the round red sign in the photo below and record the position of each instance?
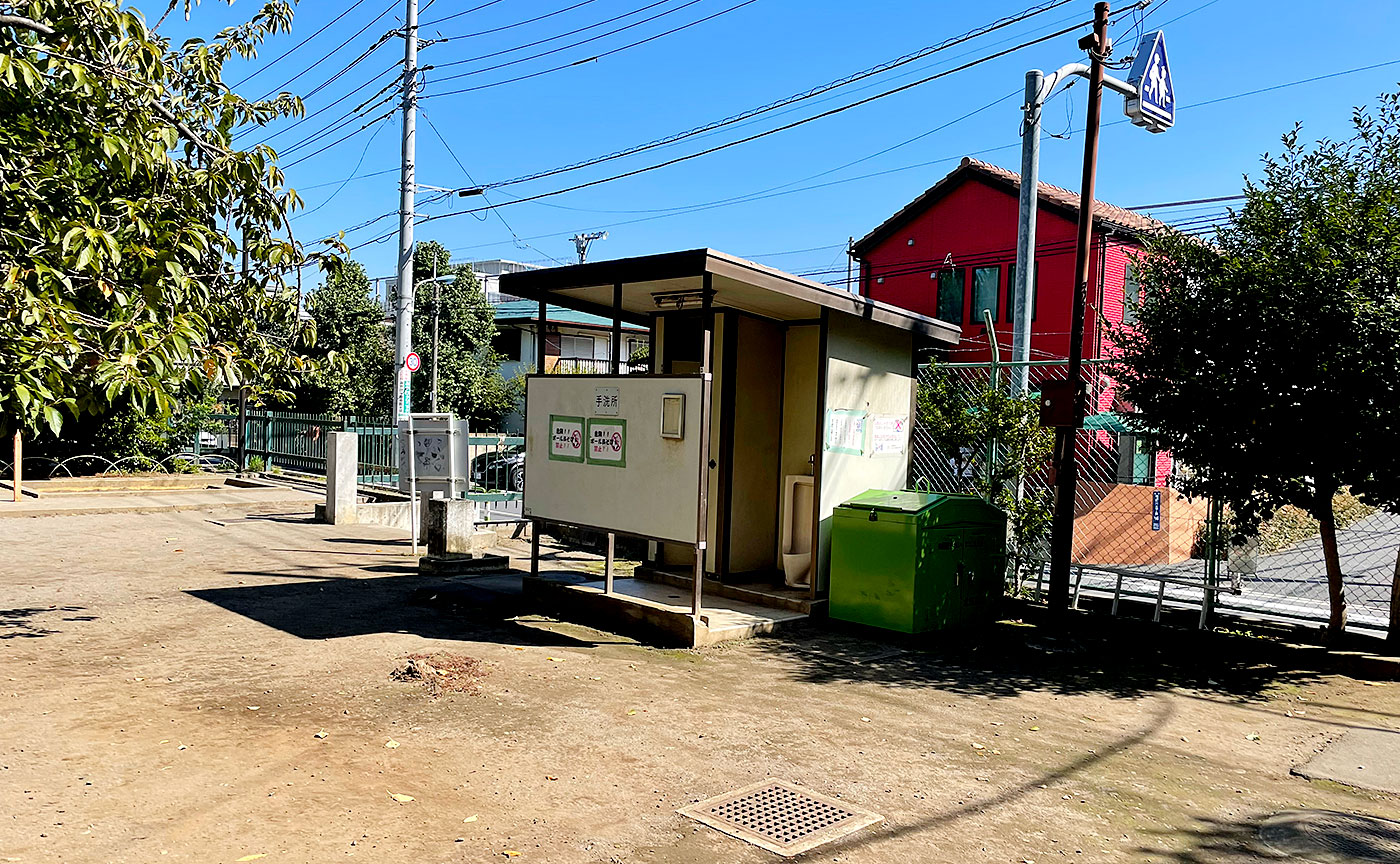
(413, 362)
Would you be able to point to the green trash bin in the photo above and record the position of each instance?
(916, 561)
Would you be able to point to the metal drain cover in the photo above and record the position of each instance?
(780, 817)
(1329, 837)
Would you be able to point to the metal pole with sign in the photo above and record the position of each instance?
(1150, 102)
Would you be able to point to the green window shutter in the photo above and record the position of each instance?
(951, 284)
(1011, 292)
(985, 281)
(1132, 294)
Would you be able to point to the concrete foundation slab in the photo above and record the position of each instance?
(1364, 758)
(658, 612)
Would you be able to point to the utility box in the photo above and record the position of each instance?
(916, 562)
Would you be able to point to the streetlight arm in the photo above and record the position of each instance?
(1063, 74)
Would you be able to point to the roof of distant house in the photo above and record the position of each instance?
(529, 310)
(1052, 197)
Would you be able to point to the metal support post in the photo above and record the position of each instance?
(534, 547)
(19, 471)
(1062, 533)
(702, 520)
(608, 564)
(540, 339)
(403, 320)
(1025, 235)
(437, 310)
(990, 323)
(412, 483)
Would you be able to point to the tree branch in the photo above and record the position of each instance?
(165, 113)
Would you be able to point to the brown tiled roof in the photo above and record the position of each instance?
(1055, 197)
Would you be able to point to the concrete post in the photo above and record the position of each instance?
(342, 481)
(450, 526)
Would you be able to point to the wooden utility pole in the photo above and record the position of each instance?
(1062, 532)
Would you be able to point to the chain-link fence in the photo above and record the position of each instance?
(1135, 537)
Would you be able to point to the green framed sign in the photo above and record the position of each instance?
(845, 431)
(607, 442)
(565, 438)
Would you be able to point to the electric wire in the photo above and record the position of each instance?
(280, 87)
(516, 24)
(794, 98)
(437, 21)
(297, 47)
(566, 34)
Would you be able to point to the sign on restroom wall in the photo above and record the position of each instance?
(605, 400)
(607, 442)
(845, 431)
(565, 438)
(889, 434)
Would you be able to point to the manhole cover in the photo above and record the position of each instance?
(1329, 837)
(780, 817)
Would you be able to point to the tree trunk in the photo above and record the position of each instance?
(1336, 594)
(1392, 633)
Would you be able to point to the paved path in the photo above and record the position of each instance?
(158, 501)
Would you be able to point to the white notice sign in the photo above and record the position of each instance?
(605, 401)
(565, 438)
(845, 431)
(888, 434)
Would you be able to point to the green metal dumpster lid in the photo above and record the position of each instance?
(894, 502)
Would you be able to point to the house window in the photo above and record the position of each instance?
(984, 291)
(575, 346)
(1011, 292)
(1132, 294)
(950, 295)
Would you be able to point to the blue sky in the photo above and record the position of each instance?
(764, 51)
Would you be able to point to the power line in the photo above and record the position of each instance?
(559, 36)
(290, 51)
(516, 24)
(828, 113)
(1185, 203)
(437, 21)
(279, 88)
(794, 98)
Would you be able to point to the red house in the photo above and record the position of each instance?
(951, 252)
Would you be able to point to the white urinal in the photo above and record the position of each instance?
(797, 529)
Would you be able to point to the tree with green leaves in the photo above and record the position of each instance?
(470, 383)
(992, 442)
(350, 325)
(124, 207)
(1268, 360)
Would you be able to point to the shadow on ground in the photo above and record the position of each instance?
(1117, 657)
(467, 608)
(20, 623)
(1159, 714)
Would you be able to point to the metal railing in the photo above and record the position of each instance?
(1137, 539)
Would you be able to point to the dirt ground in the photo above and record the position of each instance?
(165, 680)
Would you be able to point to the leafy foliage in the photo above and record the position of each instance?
(350, 330)
(121, 199)
(469, 380)
(1269, 361)
(962, 425)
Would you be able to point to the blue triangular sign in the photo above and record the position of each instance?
(1155, 104)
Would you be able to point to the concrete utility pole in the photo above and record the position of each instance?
(1066, 467)
(403, 320)
(583, 241)
(1025, 236)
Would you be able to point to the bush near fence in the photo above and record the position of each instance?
(1130, 522)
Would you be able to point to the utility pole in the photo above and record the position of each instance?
(403, 320)
(583, 241)
(850, 265)
(1062, 532)
(1025, 236)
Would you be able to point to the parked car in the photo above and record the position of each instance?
(500, 469)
